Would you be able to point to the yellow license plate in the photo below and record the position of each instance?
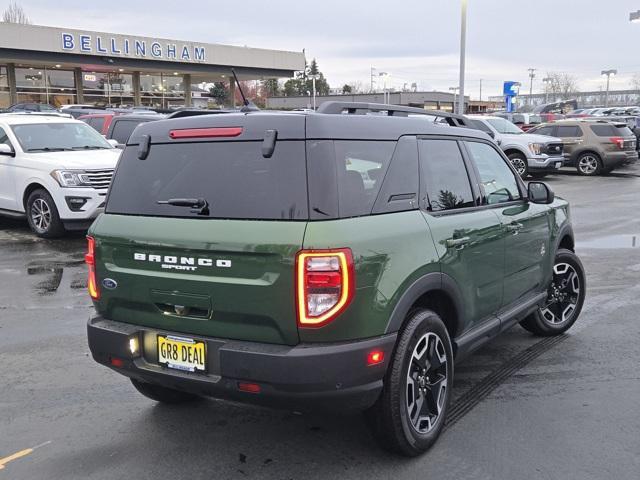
(182, 353)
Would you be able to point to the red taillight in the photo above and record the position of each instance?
(619, 141)
(116, 362)
(90, 259)
(249, 387)
(325, 283)
(206, 132)
(375, 357)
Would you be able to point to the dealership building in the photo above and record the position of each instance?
(65, 66)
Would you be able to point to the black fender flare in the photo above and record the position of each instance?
(429, 282)
(565, 230)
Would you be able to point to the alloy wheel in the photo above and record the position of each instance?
(41, 215)
(427, 383)
(519, 165)
(563, 295)
(588, 164)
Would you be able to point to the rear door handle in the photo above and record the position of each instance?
(458, 243)
(514, 227)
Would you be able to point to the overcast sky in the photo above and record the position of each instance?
(414, 40)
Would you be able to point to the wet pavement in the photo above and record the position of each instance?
(524, 407)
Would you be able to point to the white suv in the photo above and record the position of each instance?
(53, 170)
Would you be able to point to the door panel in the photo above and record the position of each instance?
(468, 239)
(470, 248)
(527, 249)
(7, 177)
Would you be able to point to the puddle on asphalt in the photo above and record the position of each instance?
(611, 242)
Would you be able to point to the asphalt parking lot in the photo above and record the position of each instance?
(524, 407)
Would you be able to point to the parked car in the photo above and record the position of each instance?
(100, 121)
(31, 107)
(54, 171)
(121, 126)
(534, 155)
(593, 147)
(322, 260)
(79, 112)
(524, 121)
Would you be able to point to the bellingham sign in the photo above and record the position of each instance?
(119, 46)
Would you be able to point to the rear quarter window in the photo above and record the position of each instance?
(233, 177)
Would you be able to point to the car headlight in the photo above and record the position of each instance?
(71, 178)
(536, 148)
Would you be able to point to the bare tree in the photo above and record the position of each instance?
(15, 14)
(561, 86)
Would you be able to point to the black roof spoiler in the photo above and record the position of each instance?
(362, 108)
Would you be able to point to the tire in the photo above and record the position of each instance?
(423, 341)
(550, 319)
(42, 215)
(589, 164)
(519, 162)
(538, 176)
(163, 394)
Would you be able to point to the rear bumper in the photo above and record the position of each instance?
(305, 377)
(620, 158)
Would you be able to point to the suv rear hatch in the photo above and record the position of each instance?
(222, 270)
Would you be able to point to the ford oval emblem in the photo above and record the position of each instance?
(109, 283)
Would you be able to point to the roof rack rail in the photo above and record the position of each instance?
(362, 108)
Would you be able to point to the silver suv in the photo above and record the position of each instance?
(534, 155)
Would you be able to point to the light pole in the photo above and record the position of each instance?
(313, 83)
(531, 76)
(634, 17)
(454, 90)
(384, 76)
(546, 81)
(463, 42)
(608, 73)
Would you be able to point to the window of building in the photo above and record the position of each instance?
(45, 85)
(113, 89)
(5, 98)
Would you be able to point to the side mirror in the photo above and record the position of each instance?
(540, 192)
(7, 150)
(113, 142)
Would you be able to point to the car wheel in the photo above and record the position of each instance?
(163, 394)
(565, 297)
(589, 164)
(411, 410)
(42, 215)
(519, 162)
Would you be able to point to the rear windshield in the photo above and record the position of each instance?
(608, 130)
(233, 177)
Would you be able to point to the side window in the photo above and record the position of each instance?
(123, 129)
(399, 190)
(4, 138)
(443, 176)
(564, 131)
(498, 181)
(478, 125)
(98, 124)
(360, 168)
(546, 130)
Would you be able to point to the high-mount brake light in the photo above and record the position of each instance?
(90, 260)
(325, 285)
(205, 132)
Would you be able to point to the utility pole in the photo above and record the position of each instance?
(313, 82)
(608, 74)
(372, 69)
(531, 76)
(463, 43)
(480, 89)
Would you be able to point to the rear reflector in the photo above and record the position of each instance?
(375, 357)
(325, 284)
(206, 132)
(249, 387)
(116, 362)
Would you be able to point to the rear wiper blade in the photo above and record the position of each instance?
(197, 205)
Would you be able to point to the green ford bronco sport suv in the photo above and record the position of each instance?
(342, 259)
